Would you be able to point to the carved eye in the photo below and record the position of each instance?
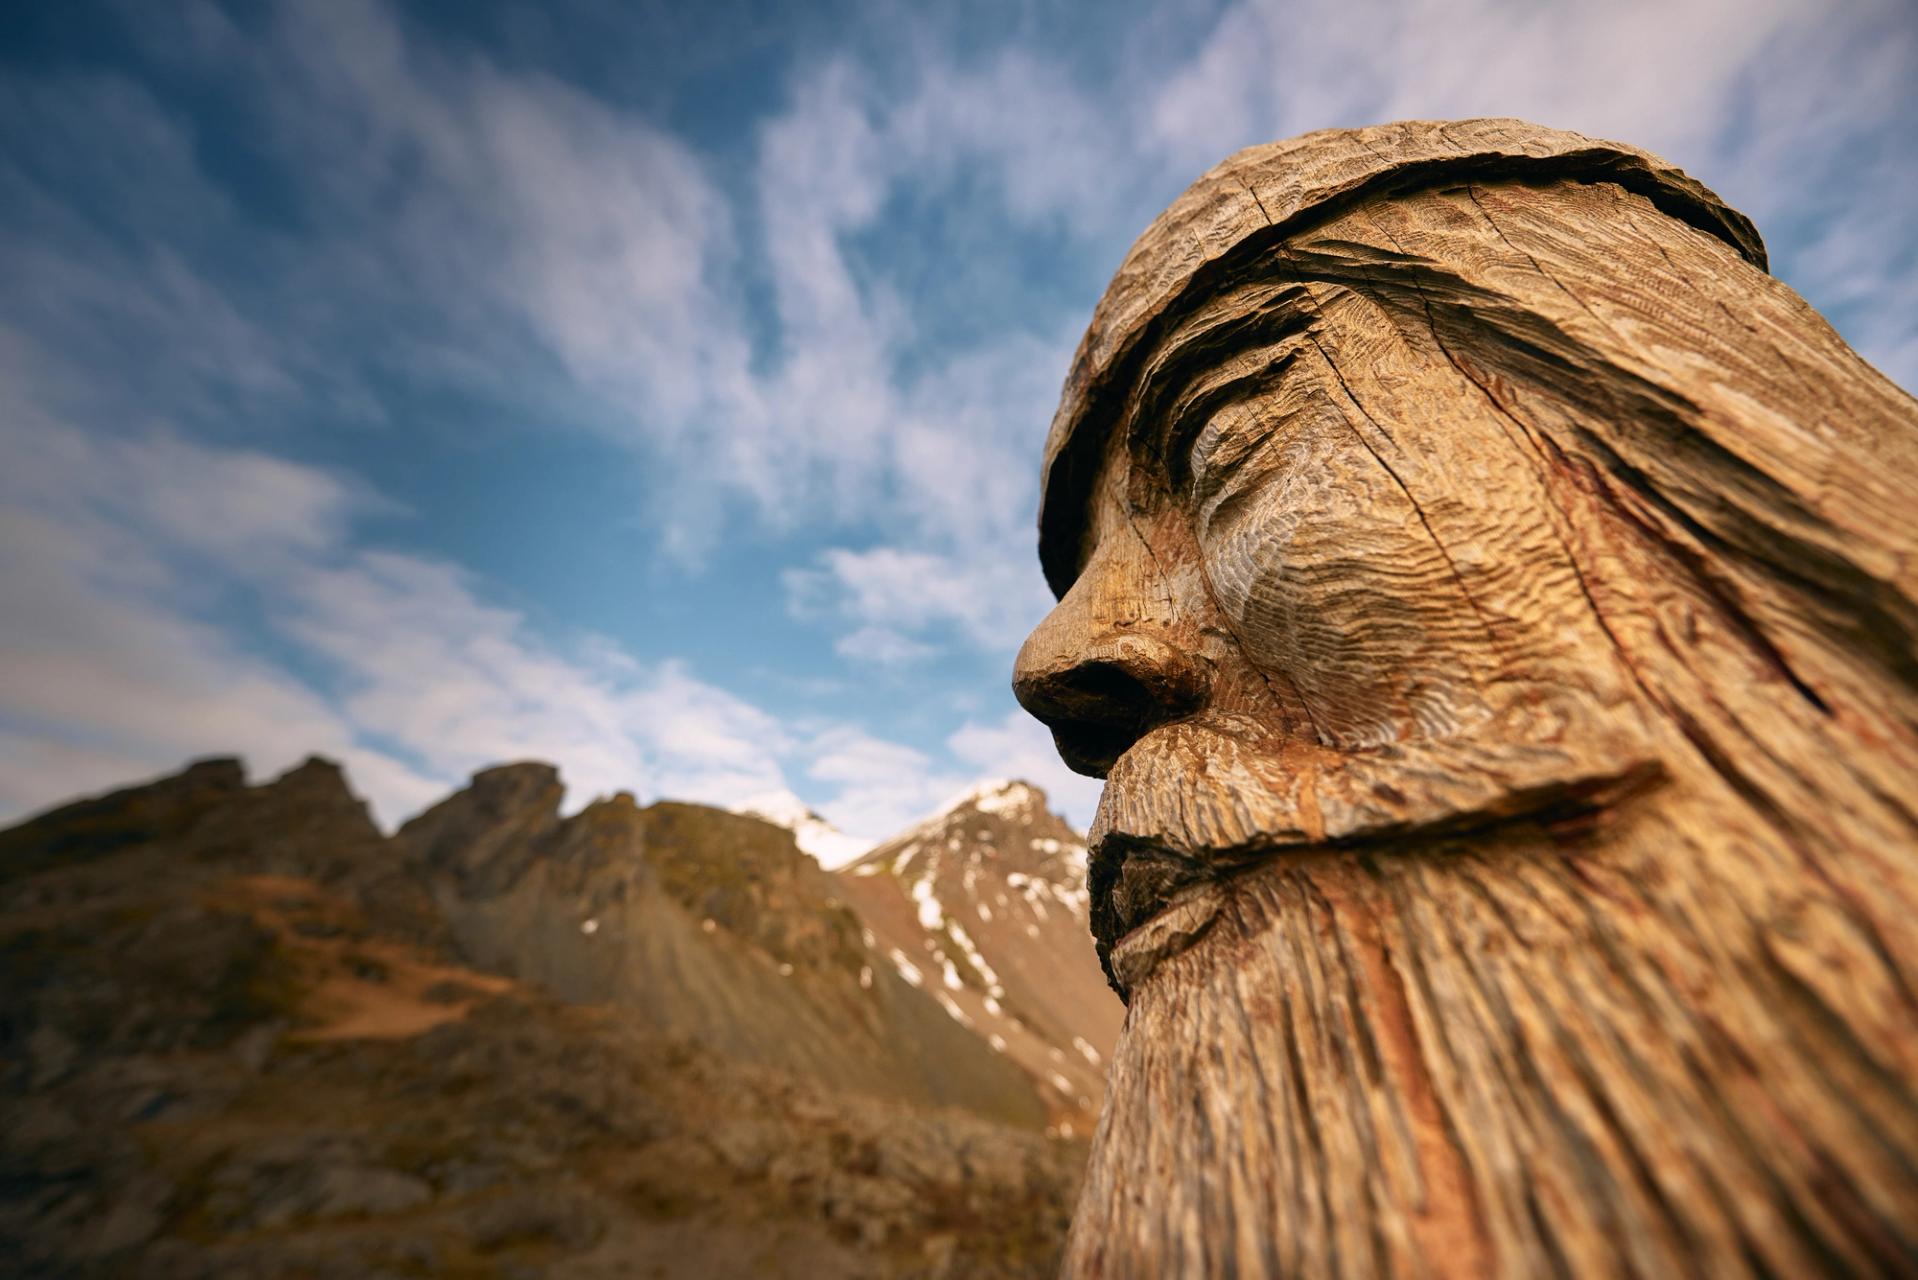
(1192, 406)
(1320, 561)
(1247, 455)
(1230, 440)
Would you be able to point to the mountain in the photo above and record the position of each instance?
(812, 833)
(246, 1033)
(984, 906)
(695, 922)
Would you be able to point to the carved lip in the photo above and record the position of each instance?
(1149, 904)
(1169, 930)
(1151, 901)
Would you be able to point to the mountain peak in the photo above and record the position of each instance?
(983, 905)
(830, 846)
(998, 818)
(1006, 797)
(486, 835)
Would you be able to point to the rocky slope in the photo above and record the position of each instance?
(984, 906)
(700, 923)
(247, 1034)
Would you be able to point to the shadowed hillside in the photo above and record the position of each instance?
(248, 1034)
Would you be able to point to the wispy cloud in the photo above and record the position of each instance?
(116, 558)
(989, 602)
(842, 335)
(129, 564)
(883, 786)
(1795, 110)
(1020, 747)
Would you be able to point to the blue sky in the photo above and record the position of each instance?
(658, 388)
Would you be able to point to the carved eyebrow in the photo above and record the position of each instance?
(1265, 311)
(1246, 349)
(1197, 408)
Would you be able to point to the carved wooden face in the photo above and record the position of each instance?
(1421, 538)
(1325, 593)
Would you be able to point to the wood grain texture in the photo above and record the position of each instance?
(1493, 611)
(1257, 197)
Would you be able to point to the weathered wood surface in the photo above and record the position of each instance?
(1492, 602)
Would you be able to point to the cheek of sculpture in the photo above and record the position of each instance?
(1325, 569)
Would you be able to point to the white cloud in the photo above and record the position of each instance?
(531, 210)
(891, 596)
(1050, 145)
(1659, 74)
(125, 563)
(103, 672)
(534, 211)
(530, 245)
(1794, 110)
(881, 645)
(1020, 747)
(881, 787)
(525, 201)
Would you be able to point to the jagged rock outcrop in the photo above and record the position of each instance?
(697, 923)
(244, 1034)
(487, 836)
(984, 906)
(101, 824)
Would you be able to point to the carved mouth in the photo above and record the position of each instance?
(1148, 905)
(1171, 930)
(1151, 901)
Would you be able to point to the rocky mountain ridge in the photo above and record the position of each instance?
(698, 922)
(247, 1033)
(984, 905)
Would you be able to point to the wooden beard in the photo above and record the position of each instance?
(1493, 615)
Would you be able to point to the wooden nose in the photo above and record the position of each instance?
(1101, 694)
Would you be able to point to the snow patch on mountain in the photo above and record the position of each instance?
(983, 906)
(1001, 796)
(931, 914)
(832, 847)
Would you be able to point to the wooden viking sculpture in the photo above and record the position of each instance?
(1492, 600)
